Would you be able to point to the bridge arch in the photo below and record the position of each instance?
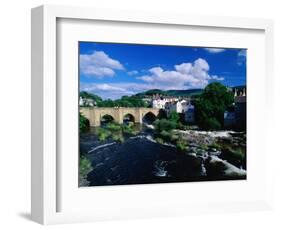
(128, 117)
(149, 117)
(106, 118)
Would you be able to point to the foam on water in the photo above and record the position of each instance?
(149, 126)
(160, 168)
(101, 146)
(203, 169)
(230, 170)
(214, 134)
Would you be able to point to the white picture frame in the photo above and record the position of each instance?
(46, 183)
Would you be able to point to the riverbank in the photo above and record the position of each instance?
(211, 145)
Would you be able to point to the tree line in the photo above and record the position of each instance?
(125, 101)
(210, 106)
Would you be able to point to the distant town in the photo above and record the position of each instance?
(185, 106)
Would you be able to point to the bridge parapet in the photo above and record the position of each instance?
(95, 114)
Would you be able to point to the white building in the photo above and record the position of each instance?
(159, 103)
(183, 106)
(86, 102)
(177, 106)
(81, 102)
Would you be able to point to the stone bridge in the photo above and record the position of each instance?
(95, 114)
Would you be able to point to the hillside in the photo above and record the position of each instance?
(178, 93)
(88, 95)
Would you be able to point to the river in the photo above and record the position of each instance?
(140, 160)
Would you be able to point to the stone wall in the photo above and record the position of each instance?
(95, 114)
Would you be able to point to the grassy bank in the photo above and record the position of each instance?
(116, 131)
(85, 167)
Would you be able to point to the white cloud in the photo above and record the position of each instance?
(184, 67)
(99, 64)
(214, 50)
(217, 78)
(133, 72)
(114, 90)
(241, 57)
(184, 76)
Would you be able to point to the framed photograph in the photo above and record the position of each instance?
(138, 114)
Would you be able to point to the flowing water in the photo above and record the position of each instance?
(140, 160)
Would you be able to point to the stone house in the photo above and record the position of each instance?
(86, 102)
(189, 115)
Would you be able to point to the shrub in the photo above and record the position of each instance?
(103, 134)
(159, 140)
(181, 126)
(164, 124)
(130, 124)
(135, 132)
(118, 138)
(127, 129)
(85, 167)
(174, 116)
(181, 145)
(238, 154)
(215, 145)
(212, 124)
(174, 137)
(204, 147)
(113, 126)
(165, 134)
(84, 123)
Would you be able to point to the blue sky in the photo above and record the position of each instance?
(113, 70)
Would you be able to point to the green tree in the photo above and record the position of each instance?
(84, 123)
(174, 116)
(106, 103)
(85, 94)
(125, 101)
(164, 124)
(211, 105)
